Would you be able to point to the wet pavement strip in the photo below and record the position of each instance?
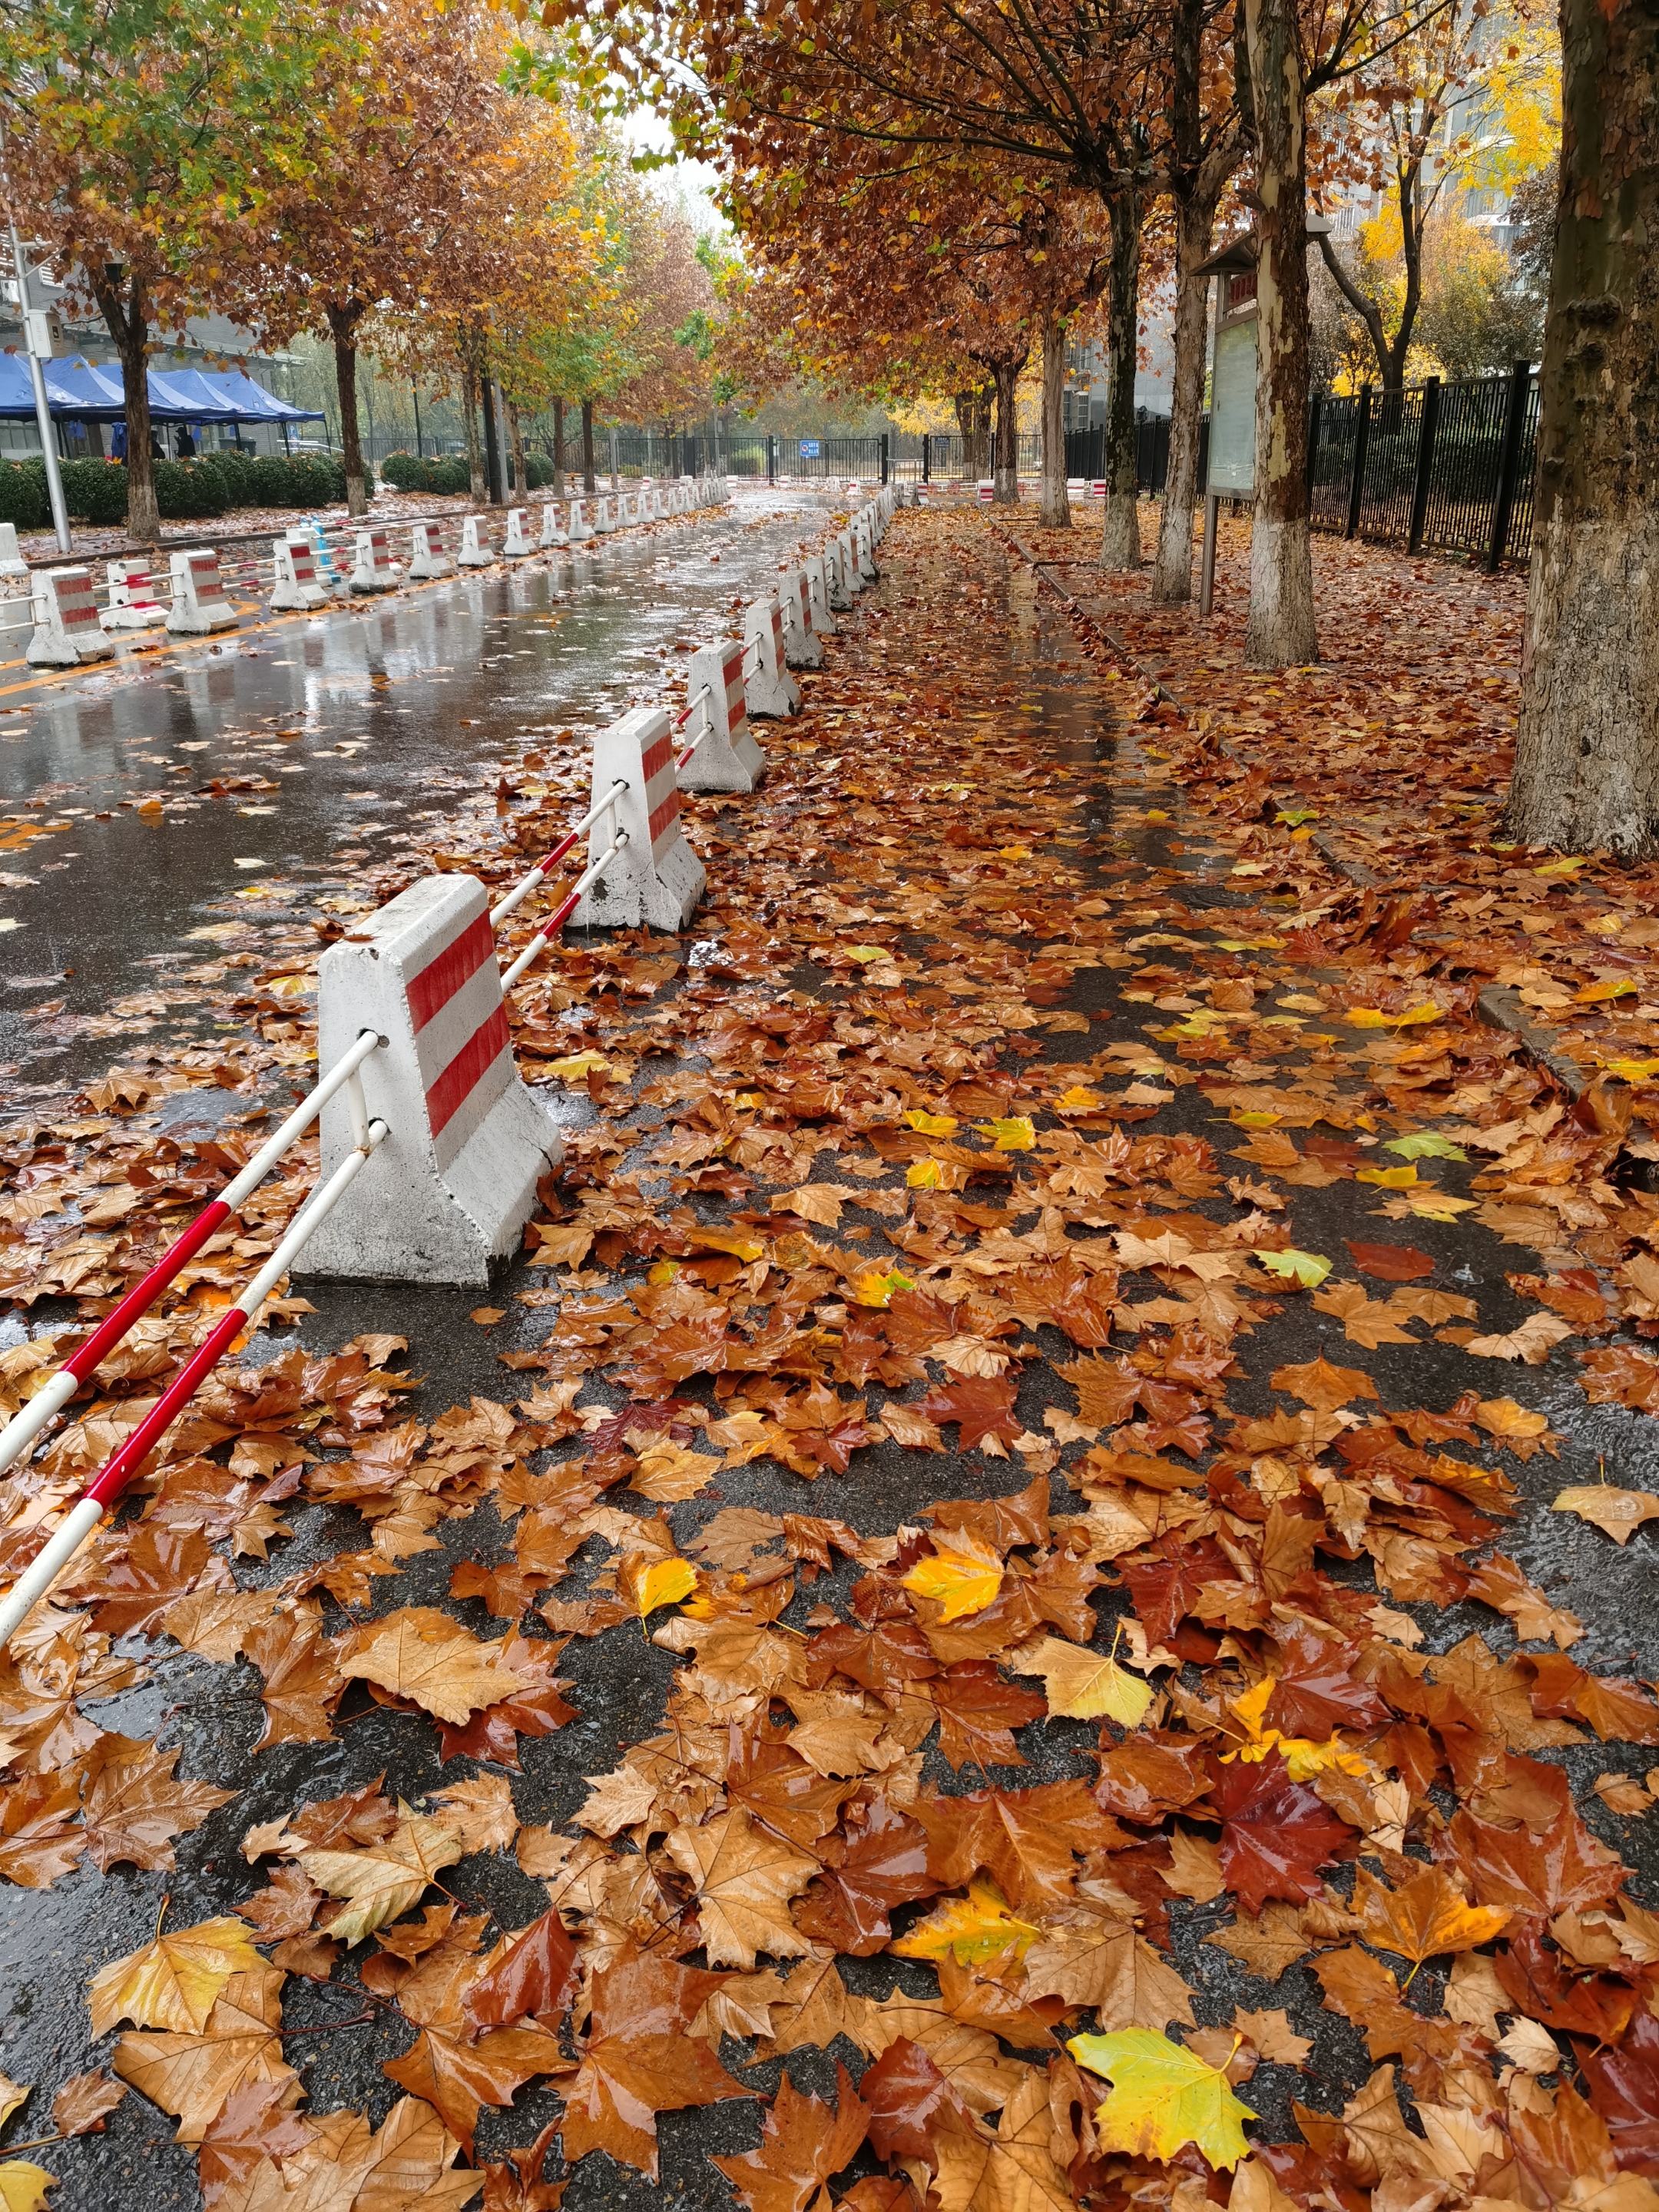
(416, 686)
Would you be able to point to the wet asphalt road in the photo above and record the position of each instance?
(448, 657)
(366, 724)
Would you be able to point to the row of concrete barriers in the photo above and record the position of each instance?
(308, 568)
(432, 1146)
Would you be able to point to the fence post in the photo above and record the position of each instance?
(1362, 438)
(1426, 428)
(925, 459)
(1509, 464)
(1315, 400)
(884, 456)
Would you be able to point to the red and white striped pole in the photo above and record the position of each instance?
(544, 868)
(118, 1470)
(556, 922)
(25, 1425)
(684, 717)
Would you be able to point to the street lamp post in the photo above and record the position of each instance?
(37, 341)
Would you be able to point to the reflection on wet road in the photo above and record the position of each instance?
(142, 801)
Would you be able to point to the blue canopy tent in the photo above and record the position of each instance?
(252, 402)
(81, 391)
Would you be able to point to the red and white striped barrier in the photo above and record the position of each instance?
(476, 552)
(453, 1186)
(553, 535)
(515, 543)
(604, 520)
(581, 525)
(12, 562)
(118, 1471)
(428, 557)
(849, 583)
(773, 691)
(801, 648)
(67, 631)
(199, 605)
(722, 755)
(656, 879)
(816, 569)
(132, 601)
(297, 589)
(371, 571)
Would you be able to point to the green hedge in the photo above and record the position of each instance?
(95, 491)
(23, 496)
(191, 491)
(408, 474)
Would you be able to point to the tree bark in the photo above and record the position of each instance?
(476, 488)
(590, 483)
(1280, 632)
(128, 324)
(343, 325)
(515, 448)
(1172, 568)
(1006, 473)
(558, 449)
(1055, 513)
(1587, 753)
(1119, 529)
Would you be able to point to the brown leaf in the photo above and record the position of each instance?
(455, 2078)
(1321, 1386)
(803, 2142)
(82, 2105)
(744, 1878)
(134, 1806)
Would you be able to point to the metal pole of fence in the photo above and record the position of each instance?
(1509, 464)
(37, 346)
(1426, 426)
(771, 458)
(926, 459)
(1362, 436)
(884, 456)
(1314, 405)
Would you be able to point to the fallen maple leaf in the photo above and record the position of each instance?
(383, 1881)
(173, 1982)
(479, 1813)
(1620, 1513)
(646, 1580)
(1081, 1685)
(962, 1578)
(23, 2186)
(1162, 2095)
(1321, 1386)
(802, 2143)
(134, 1806)
(1425, 1917)
(640, 2060)
(744, 1878)
(979, 2171)
(1391, 1263)
(192, 2076)
(1275, 1832)
(420, 1654)
(84, 2102)
(972, 1929)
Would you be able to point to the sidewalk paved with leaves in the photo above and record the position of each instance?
(1016, 1604)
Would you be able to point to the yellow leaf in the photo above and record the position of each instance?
(862, 953)
(932, 1125)
(644, 1582)
(1616, 987)
(973, 1929)
(965, 1577)
(740, 1244)
(23, 2186)
(1389, 1178)
(1013, 852)
(1632, 1070)
(1080, 1099)
(173, 1982)
(1308, 1268)
(1255, 1121)
(877, 1286)
(1162, 2096)
(574, 1069)
(1373, 1017)
(1563, 867)
(923, 1174)
(1080, 1686)
(1014, 1133)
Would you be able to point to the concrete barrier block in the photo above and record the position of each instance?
(772, 690)
(848, 582)
(132, 601)
(801, 648)
(477, 551)
(12, 562)
(427, 555)
(657, 879)
(371, 571)
(581, 523)
(67, 631)
(553, 533)
(819, 587)
(727, 758)
(445, 1197)
(515, 543)
(199, 605)
(864, 550)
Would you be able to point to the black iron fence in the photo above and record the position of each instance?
(1443, 465)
